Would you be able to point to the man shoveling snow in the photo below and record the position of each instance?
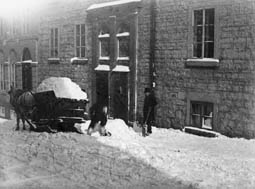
(98, 115)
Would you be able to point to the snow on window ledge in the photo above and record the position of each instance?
(53, 60)
(102, 67)
(78, 60)
(104, 35)
(202, 62)
(124, 34)
(123, 58)
(104, 58)
(121, 68)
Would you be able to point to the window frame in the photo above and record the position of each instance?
(100, 38)
(125, 36)
(203, 62)
(55, 46)
(6, 75)
(203, 37)
(80, 40)
(202, 114)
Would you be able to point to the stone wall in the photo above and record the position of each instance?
(230, 86)
(65, 15)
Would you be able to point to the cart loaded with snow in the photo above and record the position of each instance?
(59, 104)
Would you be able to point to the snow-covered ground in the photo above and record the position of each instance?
(220, 162)
(205, 162)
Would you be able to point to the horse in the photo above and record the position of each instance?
(23, 103)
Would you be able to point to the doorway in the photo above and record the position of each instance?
(120, 96)
(102, 93)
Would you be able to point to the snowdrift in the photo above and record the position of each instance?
(63, 87)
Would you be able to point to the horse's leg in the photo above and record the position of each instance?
(17, 118)
(23, 121)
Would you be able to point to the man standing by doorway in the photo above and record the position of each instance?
(148, 109)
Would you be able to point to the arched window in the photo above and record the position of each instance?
(26, 54)
(123, 41)
(104, 42)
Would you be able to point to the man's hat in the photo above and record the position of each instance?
(147, 90)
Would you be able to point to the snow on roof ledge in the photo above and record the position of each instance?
(121, 68)
(112, 3)
(101, 67)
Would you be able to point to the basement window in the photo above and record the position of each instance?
(202, 115)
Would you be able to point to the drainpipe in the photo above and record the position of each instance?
(153, 17)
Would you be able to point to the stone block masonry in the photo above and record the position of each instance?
(230, 86)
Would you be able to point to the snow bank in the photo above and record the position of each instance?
(207, 162)
(63, 88)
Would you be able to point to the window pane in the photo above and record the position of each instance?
(124, 47)
(83, 29)
(207, 122)
(83, 40)
(208, 109)
(196, 121)
(209, 16)
(56, 52)
(78, 52)
(83, 52)
(78, 41)
(209, 33)
(197, 50)
(105, 50)
(196, 108)
(51, 39)
(198, 17)
(209, 50)
(77, 29)
(56, 37)
(198, 33)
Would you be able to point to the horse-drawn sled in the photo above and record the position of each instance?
(44, 111)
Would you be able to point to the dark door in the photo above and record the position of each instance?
(102, 87)
(120, 95)
(27, 76)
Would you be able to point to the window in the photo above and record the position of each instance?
(123, 42)
(7, 70)
(203, 38)
(202, 114)
(80, 40)
(2, 111)
(104, 43)
(6, 76)
(1, 70)
(11, 64)
(54, 42)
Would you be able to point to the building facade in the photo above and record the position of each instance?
(197, 55)
(18, 54)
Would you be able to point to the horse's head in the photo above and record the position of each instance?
(14, 94)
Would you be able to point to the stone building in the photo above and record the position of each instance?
(197, 55)
(18, 53)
